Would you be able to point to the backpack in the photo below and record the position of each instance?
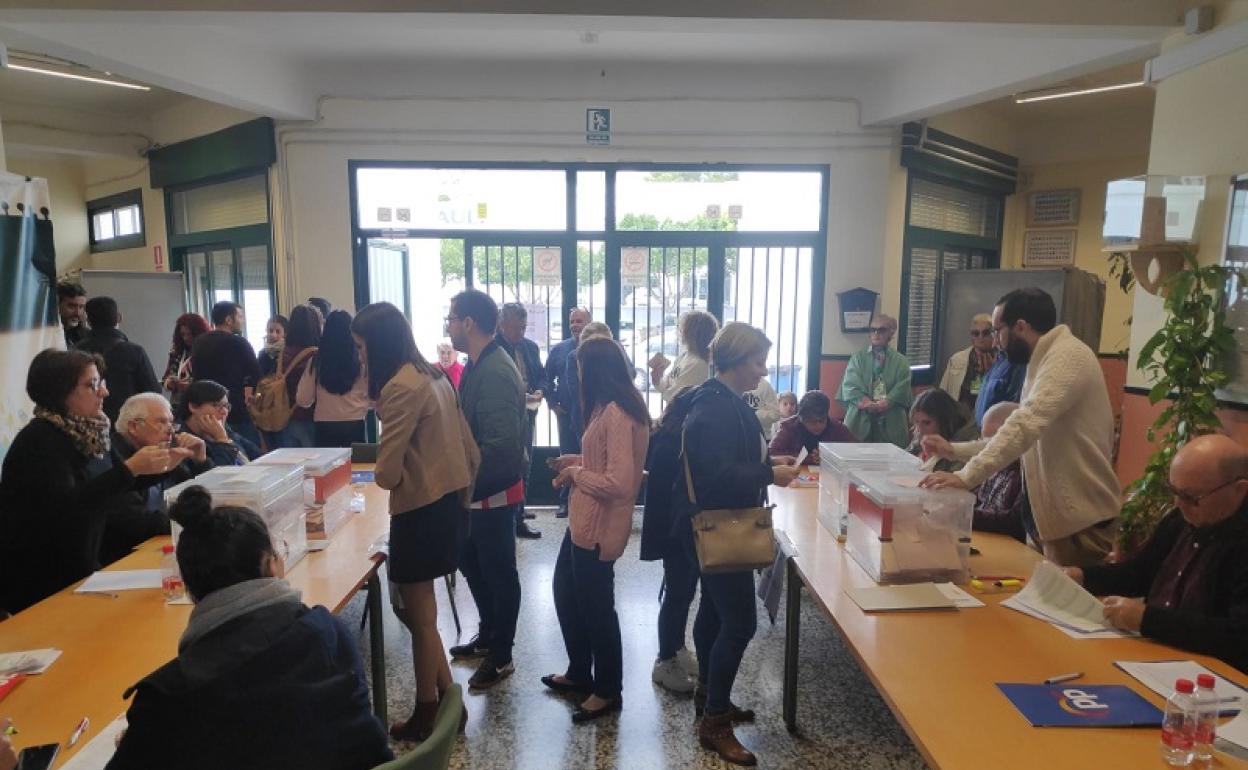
(270, 407)
(662, 473)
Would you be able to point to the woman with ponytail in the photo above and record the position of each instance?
(260, 680)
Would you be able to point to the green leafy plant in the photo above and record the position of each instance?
(1183, 360)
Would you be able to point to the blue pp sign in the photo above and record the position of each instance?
(598, 125)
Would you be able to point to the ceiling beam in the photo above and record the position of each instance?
(1062, 12)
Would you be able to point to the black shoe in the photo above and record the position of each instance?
(488, 674)
(582, 715)
(529, 516)
(565, 687)
(528, 533)
(562, 513)
(475, 648)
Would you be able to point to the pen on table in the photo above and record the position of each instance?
(104, 594)
(10, 728)
(1063, 678)
(1008, 583)
(998, 577)
(79, 730)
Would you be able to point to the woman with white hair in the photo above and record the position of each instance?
(965, 372)
(729, 468)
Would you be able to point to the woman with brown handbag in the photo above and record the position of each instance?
(727, 472)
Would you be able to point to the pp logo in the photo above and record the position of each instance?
(1082, 704)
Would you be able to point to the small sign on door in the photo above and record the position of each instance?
(546, 267)
(634, 265)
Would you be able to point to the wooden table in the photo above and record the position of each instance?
(109, 644)
(938, 670)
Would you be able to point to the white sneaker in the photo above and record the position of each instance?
(670, 675)
(688, 663)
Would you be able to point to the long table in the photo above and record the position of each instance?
(937, 671)
(109, 644)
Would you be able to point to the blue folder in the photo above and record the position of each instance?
(361, 477)
(1072, 704)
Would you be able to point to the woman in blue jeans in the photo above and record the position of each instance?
(728, 463)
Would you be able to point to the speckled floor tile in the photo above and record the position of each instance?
(521, 725)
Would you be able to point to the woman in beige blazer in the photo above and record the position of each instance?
(428, 460)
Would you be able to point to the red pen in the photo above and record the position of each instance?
(79, 730)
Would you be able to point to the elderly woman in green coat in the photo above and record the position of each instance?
(876, 389)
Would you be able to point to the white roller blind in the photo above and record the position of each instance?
(952, 209)
(921, 305)
(236, 203)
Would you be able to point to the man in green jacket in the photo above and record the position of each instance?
(876, 389)
(492, 396)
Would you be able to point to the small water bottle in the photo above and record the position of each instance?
(1207, 711)
(170, 575)
(1178, 727)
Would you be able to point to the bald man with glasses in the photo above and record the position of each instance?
(1187, 586)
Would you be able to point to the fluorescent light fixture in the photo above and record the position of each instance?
(1079, 92)
(74, 76)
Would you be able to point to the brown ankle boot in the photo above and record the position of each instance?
(715, 734)
(420, 726)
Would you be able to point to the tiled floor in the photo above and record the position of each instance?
(520, 725)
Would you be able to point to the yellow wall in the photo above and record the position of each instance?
(108, 176)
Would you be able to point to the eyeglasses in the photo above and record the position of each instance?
(982, 332)
(95, 386)
(1194, 500)
(880, 329)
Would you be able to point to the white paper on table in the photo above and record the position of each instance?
(1159, 676)
(120, 580)
(1052, 593)
(961, 599)
(1108, 633)
(1236, 730)
(100, 749)
(28, 661)
(801, 457)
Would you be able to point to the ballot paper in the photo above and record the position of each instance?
(913, 596)
(1051, 593)
(961, 599)
(28, 661)
(1160, 675)
(1108, 633)
(1235, 731)
(100, 749)
(120, 580)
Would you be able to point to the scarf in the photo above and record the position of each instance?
(89, 434)
(275, 350)
(220, 607)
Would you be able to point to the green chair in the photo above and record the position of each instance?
(435, 752)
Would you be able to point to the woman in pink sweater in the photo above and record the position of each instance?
(604, 480)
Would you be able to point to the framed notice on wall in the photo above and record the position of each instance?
(1049, 248)
(1053, 208)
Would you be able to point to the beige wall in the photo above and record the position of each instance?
(109, 176)
(1198, 129)
(67, 191)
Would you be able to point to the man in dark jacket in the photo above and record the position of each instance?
(140, 514)
(512, 321)
(71, 303)
(1193, 571)
(561, 393)
(126, 365)
(493, 399)
(223, 355)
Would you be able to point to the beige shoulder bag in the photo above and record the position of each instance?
(730, 539)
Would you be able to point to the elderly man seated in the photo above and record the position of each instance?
(1192, 574)
(146, 420)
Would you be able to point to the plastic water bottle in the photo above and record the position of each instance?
(1207, 711)
(1178, 728)
(170, 575)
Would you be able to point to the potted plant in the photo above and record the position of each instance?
(1183, 360)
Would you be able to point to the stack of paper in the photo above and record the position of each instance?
(1053, 596)
(915, 596)
(28, 662)
(120, 580)
(1159, 676)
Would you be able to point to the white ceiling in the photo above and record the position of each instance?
(278, 63)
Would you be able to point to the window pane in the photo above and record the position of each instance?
(128, 221)
(591, 201)
(749, 201)
(952, 209)
(257, 299)
(222, 275)
(103, 224)
(921, 305)
(770, 288)
(236, 203)
(461, 199)
(197, 282)
(387, 264)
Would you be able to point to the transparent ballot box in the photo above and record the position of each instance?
(837, 461)
(274, 492)
(900, 533)
(326, 485)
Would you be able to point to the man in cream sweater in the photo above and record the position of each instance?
(1063, 432)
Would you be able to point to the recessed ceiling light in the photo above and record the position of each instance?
(1046, 96)
(75, 76)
